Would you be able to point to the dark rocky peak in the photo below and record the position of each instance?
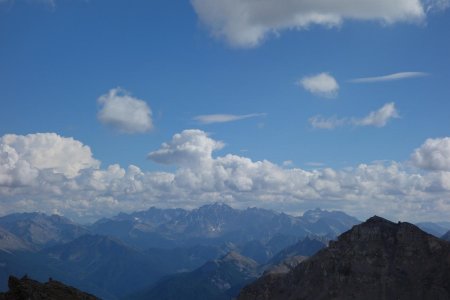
(377, 259)
(446, 236)
(29, 289)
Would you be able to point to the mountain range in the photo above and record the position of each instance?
(214, 251)
(131, 253)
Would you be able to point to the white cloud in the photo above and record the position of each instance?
(326, 123)
(387, 188)
(434, 154)
(246, 23)
(124, 113)
(378, 118)
(323, 85)
(390, 77)
(25, 155)
(224, 118)
(191, 147)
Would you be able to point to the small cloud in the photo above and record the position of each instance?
(322, 85)
(224, 118)
(124, 113)
(390, 77)
(378, 118)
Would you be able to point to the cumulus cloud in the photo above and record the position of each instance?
(224, 118)
(191, 147)
(434, 154)
(378, 118)
(124, 113)
(323, 85)
(25, 155)
(390, 77)
(80, 189)
(246, 23)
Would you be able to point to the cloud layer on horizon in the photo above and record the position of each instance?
(77, 187)
(247, 23)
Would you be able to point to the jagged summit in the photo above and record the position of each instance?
(377, 259)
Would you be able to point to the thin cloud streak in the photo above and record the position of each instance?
(390, 77)
(224, 118)
(378, 118)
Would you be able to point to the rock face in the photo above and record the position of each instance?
(374, 260)
(28, 289)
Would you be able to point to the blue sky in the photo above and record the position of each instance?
(163, 67)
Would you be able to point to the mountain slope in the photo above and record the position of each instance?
(106, 263)
(218, 279)
(375, 260)
(9, 242)
(40, 230)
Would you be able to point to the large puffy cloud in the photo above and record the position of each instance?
(434, 154)
(391, 189)
(124, 113)
(323, 85)
(25, 155)
(245, 23)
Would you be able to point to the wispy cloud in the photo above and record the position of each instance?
(390, 77)
(323, 85)
(224, 118)
(321, 122)
(377, 118)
